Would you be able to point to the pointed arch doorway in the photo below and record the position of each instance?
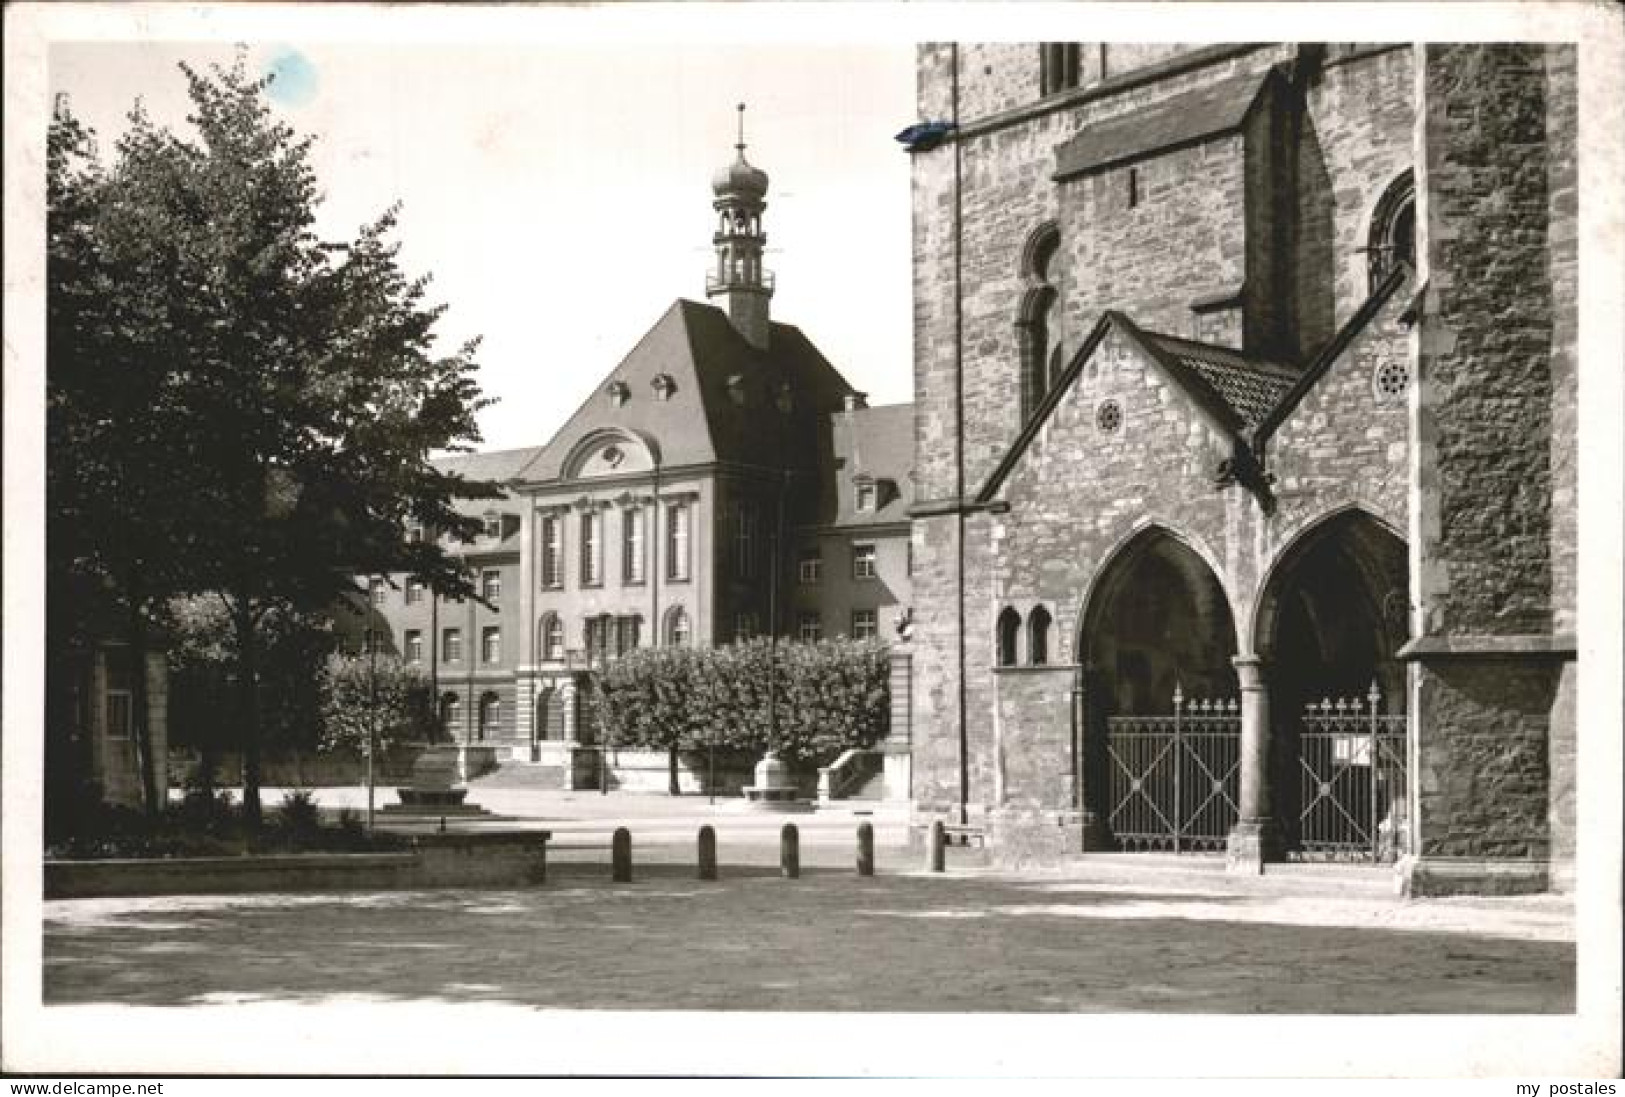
(1331, 619)
(1161, 726)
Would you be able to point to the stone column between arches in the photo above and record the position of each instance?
(1255, 840)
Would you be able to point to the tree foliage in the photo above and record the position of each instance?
(832, 696)
(236, 405)
(363, 695)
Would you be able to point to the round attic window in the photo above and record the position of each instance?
(1391, 380)
(1109, 416)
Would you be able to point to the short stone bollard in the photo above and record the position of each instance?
(620, 855)
(790, 852)
(866, 849)
(708, 853)
(936, 847)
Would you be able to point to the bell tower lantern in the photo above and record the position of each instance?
(740, 191)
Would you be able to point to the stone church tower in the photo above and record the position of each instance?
(1245, 462)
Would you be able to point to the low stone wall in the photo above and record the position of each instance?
(648, 771)
(300, 771)
(516, 859)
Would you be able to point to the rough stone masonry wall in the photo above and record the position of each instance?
(1105, 261)
(1184, 239)
(1077, 497)
(1355, 138)
(1562, 126)
(1346, 444)
(1485, 491)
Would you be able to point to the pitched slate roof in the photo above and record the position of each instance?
(1247, 387)
(878, 443)
(697, 346)
(494, 465)
(1183, 119)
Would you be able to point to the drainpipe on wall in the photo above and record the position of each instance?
(959, 439)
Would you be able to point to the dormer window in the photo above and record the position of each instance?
(493, 524)
(618, 392)
(736, 389)
(663, 385)
(865, 495)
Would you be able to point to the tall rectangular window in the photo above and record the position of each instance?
(377, 591)
(552, 552)
(491, 645)
(865, 495)
(491, 585)
(626, 634)
(414, 591)
(592, 571)
(865, 624)
(1059, 65)
(744, 540)
(119, 713)
(812, 628)
(632, 545)
(414, 646)
(863, 562)
(677, 531)
(810, 567)
(451, 645)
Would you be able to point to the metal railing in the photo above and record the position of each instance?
(1175, 780)
(1352, 772)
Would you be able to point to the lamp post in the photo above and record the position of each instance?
(783, 402)
(598, 658)
(372, 721)
(773, 786)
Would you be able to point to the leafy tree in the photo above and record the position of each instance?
(832, 696)
(363, 695)
(266, 400)
(203, 665)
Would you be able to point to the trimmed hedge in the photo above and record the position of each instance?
(832, 697)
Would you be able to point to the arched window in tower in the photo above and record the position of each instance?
(1037, 340)
(1038, 623)
(1393, 229)
(1009, 629)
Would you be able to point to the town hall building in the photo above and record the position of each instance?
(724, 480)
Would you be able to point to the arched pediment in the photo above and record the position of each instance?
(611, 452)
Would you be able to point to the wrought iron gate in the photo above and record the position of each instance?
(1351, 781)
(1174, 780)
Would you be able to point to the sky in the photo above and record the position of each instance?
(559, 194)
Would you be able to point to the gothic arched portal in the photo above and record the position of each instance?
(1331, 619)
(1157, 617)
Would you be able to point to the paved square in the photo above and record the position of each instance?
(828, 941)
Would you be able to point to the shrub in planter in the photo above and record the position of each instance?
(298, 820)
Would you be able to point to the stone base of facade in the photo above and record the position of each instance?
(1421, 877)
(1019, 838)
(1252, 844)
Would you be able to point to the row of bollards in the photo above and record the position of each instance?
(620, 848)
